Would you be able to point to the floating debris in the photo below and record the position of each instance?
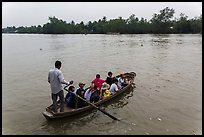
(159, 119)
(133, 124)
(40, 48)
(150, 118)
(147, 133)
(129, 129)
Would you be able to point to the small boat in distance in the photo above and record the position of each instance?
(68, 111)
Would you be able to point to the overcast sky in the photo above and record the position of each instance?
(37, 13)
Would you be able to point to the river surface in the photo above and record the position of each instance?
(167, 98)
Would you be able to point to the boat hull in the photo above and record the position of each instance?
(68, 112)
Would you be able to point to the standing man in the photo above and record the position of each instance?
(56, 79)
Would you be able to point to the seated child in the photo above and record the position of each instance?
(70, 98)
(104, 92)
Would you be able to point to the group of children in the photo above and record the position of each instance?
(98, 89)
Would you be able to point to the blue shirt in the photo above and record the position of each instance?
(70, 99)
(80, 92)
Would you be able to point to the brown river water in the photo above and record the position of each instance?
(166, 100)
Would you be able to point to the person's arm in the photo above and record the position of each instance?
(103, 80)
(63, 81)
(85, 94)
(101, 93)
(49, 77)
(92, 82)
(116, 88)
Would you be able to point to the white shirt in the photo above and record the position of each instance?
(113, 88)
(120, 81)
(56, 79)
(87, 95)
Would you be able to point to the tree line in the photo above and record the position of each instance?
(161, 23)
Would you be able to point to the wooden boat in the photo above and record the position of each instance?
(68, 111)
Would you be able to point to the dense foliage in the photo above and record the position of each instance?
(160, 23)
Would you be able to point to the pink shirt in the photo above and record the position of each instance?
(98, 82)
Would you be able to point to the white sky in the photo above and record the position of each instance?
(37, 13)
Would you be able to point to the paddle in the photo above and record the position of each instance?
(94, 106)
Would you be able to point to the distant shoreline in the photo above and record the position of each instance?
(161, 23)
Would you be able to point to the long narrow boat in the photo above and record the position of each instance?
(68, 111)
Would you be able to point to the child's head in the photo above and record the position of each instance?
(104, 86)
(91, 86)
(98, 76)
(122, 75)
(81, 84)
(110, 74)
(71, 88)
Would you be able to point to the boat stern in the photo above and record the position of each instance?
(48, 115)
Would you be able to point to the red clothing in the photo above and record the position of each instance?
(98, 82)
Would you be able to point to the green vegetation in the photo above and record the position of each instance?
(161, 23)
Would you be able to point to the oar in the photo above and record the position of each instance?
(94, 106)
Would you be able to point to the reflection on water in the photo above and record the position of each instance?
(161, 41)
(123, 101)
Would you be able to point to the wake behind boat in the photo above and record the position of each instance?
(68, 111)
